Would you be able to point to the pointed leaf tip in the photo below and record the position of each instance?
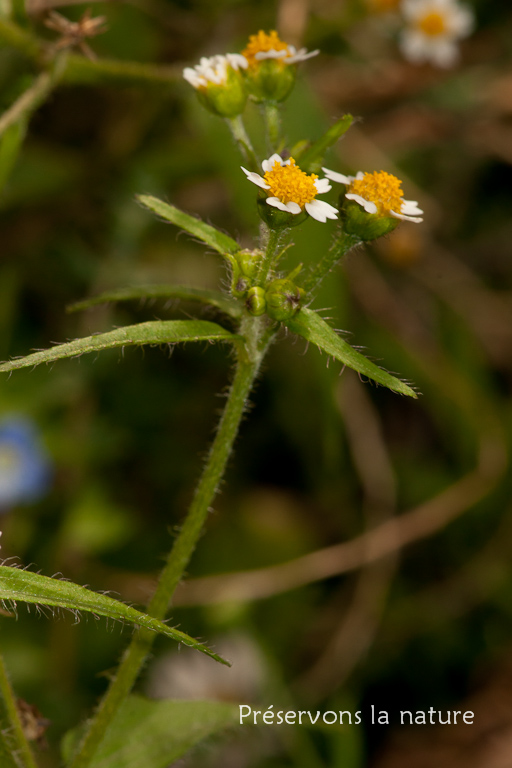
(312, 327)
(18, 585)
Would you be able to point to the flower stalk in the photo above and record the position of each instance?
(237, 128)
(272, 117)
(247, 367)
(343, 243)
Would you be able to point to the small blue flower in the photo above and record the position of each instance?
(25, 467)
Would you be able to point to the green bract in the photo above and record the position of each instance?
(366, 226)
(227, 100)
(270, 80)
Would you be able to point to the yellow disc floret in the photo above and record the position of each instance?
(433, 24)
(263, 43)
(381, 188)
(291, 185)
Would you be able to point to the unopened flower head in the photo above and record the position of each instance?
(219, 84)
(291, 190)
(380, 196)
(269, 74)
(433, 29)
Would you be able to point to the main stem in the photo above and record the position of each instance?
(12, 736)
(180, 553)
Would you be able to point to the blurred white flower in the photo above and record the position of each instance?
(270, 46)
(214, 69)
(433, 29)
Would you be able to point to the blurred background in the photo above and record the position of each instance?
(99, 456)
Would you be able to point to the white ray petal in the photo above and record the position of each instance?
(366, 204)
(321, 211)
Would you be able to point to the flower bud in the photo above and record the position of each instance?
(283, 299)
(270, 80)
(245, 268)
(255, 301)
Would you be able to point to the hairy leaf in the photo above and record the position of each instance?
(313, 328)
(154, 734)
(314, 154)
(17, 584)
(154, 332)
(194, 226)
(212, 298)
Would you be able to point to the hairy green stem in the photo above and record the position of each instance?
(237, 128)
(184, 545)
(341, 245)
(274, 239)
(10, 724)
(272, 117)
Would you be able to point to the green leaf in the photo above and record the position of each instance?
(154, 332)
(17, 584)
(194, 226)
(314, 155)
(311, 326)
(154, 734)
(212, 298)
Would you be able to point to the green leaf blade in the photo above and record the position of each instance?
(18, 585)
(154, 734)
(153, 332)
(311, 157)
(312, 327)
(211, 298)
(212, 237)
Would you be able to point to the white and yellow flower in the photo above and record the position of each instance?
(214, 69)
(270, 46)
(378, 193)
(219, 84)
(270, 74)
(374, 204)
(292, 190)
(433, 30)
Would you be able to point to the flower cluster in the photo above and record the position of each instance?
(264, 70)
(372, 204)
(432, 28)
